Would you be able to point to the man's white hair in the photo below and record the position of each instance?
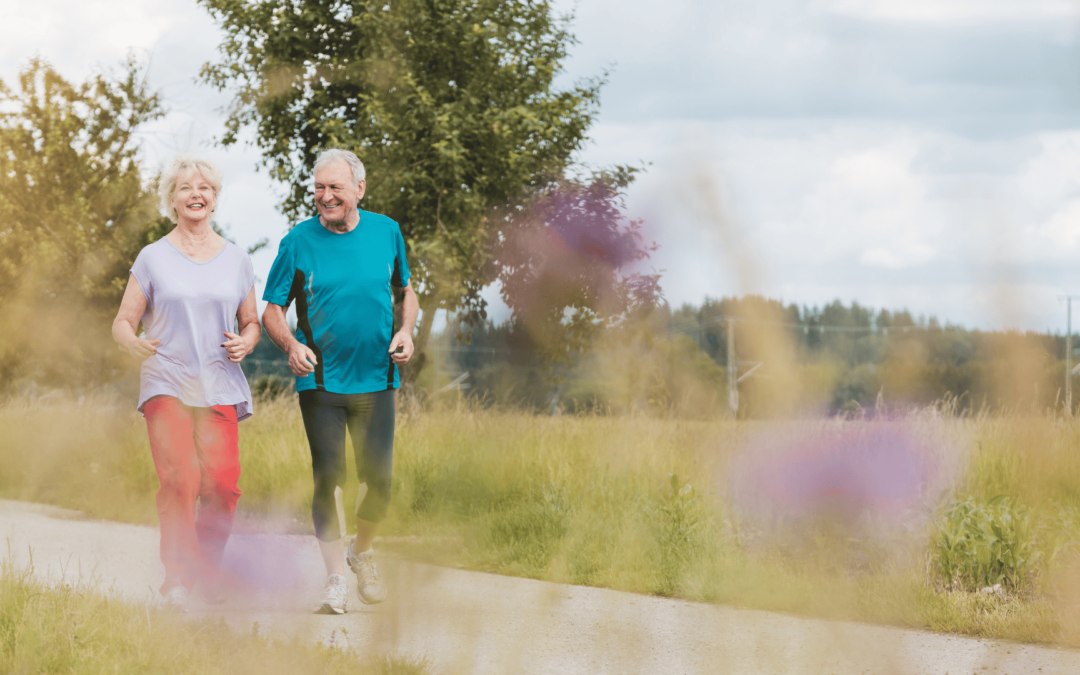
(328, 157)
(183, 167)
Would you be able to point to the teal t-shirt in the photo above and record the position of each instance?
(342, 286)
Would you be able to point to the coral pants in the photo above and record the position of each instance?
(197, 456)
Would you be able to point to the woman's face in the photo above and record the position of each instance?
(194, 198)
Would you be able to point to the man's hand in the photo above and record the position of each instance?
(236, 346)
(401, 348)
(301, 359)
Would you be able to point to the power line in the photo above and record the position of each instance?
(807, 327)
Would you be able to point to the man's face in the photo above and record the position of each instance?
(336, 195)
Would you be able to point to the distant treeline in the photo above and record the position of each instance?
(850, 357)
(814, 360)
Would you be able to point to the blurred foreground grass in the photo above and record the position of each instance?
(65, 628)
(632, 503)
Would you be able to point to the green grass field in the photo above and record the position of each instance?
(639, 504)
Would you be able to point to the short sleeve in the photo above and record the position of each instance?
(401, 263)
(141, 270)
(281, 276)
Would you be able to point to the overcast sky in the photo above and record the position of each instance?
(922, 154)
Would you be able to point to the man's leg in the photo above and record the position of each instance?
(324, 420)
(365, 534)
(371, 425)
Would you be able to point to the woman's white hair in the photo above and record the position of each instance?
(183, 166)
(328, 157)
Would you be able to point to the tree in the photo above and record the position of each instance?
(75, 209)
(451, 104)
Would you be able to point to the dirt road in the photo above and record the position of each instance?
(467, 622)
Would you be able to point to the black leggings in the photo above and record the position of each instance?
(370, 420)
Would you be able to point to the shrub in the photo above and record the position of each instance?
(981, 544)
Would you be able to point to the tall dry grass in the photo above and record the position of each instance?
(634, 503)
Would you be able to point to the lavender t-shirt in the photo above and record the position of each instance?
(188, 306)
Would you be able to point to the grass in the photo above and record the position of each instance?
(66, 628)
(639, 504)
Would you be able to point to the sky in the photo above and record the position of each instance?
(920, 155)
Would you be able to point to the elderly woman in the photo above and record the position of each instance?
(194, 293)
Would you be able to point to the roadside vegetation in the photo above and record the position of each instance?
(987, 545)
(73, 628)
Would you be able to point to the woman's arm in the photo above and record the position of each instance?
(132, 308)
(239, 346)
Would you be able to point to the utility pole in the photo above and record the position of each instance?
(1068, 353)
(732, 369)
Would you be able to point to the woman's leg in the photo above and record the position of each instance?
(171, 428)
(217, 443)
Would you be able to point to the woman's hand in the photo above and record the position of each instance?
(139, 348)
(236, 346)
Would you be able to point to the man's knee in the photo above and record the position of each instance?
(376, 502)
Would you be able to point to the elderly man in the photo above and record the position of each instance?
(341, 268)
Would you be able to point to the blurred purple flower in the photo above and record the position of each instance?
(837, 471)
(258, 562)
(564, 263)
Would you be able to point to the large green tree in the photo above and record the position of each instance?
(451, 104)
(75, 208)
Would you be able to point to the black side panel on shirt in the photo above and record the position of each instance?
(395, 283)
(391, 369)
(296, 292)
(390, 374)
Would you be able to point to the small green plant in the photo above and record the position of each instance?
(985, 544)
(682, 523)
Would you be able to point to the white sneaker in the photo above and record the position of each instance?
(368, 585)
(334, 596)
(177, 598)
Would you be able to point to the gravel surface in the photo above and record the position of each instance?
(468, 622)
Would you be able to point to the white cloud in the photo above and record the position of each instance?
(877, 172)
(77, 36)
(1063, 230)
(951, 10)
(898, 258)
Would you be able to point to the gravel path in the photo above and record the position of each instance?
(468, 622)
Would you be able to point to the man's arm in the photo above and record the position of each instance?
(410, 308)
(301, 359)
